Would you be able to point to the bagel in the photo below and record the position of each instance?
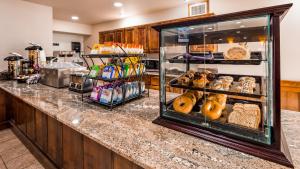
(212, 109)
(220, 98)
(183, 104)
(198, 94)
(192, 96)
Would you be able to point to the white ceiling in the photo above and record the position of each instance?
(96, 11)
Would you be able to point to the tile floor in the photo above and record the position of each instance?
(13, 153)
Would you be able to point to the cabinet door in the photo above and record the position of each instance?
(119, 36)
(129, 35)
(3, 115)
(120, 162)
(141, 37)
(96, 156)
(54, 150)
(153, 40)
(30, 121)
(41, 130)
(72, 149)
(109, 37)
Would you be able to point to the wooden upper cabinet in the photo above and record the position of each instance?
(153, 40)
(101, 37)
(141, 37)
(119, 36)
(129, 35)
(109, 36)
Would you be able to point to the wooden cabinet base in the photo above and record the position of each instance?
(54, 144)
(39, 155)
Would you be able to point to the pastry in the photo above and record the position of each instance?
(223, 83)
(228, 79)
(212, 109)
(250, 80)
(185, 81)
(183, 104)
(245, 85)
(247, 115)
(237, 52)
(200, 83)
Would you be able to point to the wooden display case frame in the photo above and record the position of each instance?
(278, 151)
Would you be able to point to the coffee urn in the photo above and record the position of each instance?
(13, 66)
(33, 56)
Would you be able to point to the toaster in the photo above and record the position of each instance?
(80, 83)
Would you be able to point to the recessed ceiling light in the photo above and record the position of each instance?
(238, 22)
(242, 26)
(210, 28)
(118, 4)
(238, 32)
(75, 18)
(192, 28)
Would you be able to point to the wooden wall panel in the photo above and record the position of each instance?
(21, 116)
(41, 130)
(54, 139)
(3, 115)
(30, 121)
(290, 95)
(120, 162)
(72, 149)
(96, 156)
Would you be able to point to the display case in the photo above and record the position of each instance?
(230, 80)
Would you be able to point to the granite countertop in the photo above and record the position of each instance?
(128, 130)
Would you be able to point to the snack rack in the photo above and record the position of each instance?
(259, 29)
(117, 59)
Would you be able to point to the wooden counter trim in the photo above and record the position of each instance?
(290, 95)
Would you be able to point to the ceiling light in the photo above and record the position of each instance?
(242, 26)
(220, 39)
(210, 28)
(238, 32)
(238, 22)
(75, 18)
(192, 28)
(118, 4)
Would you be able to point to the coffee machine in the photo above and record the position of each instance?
(14, 65)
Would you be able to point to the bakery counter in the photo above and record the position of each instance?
(129, 133)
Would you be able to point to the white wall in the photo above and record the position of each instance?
(71, 27)
(289, 27)
(65, 40)
(23, 22)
